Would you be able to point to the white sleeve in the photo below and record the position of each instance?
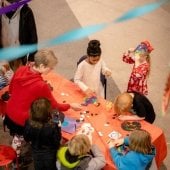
(78, 78)
(104, 67)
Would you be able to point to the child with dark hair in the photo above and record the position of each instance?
(140, 154)
(87, 76)
(80, 154)
(43, 134)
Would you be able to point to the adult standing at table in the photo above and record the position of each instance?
(18, 27)
(26, 86)
(135, 103)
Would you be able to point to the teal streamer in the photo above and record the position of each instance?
(11, 53)
(77, 34)
(140, 11)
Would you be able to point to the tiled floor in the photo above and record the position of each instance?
(57, 16)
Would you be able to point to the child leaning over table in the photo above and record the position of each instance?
(140, 153)
(44, 135)
(80, 154)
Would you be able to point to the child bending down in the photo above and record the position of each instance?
(140, 154)
(137, 105)
(79, 154)
(44, 135)
(88, 73)
(140, 58)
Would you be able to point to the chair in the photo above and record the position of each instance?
(102, 77)
(7, 156)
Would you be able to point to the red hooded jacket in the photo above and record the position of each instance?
(25, 87)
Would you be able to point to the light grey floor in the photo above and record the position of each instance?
(55, 17)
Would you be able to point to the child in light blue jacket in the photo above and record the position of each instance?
(140, 151)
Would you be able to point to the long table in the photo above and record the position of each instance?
(66, 91)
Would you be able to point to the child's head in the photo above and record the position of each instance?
(143, 50)
(140, 141)
(45, 60)
(123, 103)
(79, 145)
(39, 113)
(93, 51)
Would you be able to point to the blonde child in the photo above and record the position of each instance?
(140, 58)
(134, 106)
(88, 73)
(80, 154)
(140, 154)
(44, 135)
(5, 74)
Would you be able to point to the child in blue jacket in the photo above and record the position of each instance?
(140, 154)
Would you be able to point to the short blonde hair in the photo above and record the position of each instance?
(123, 103)
(140, 141)
(45, 57)
(79, 145)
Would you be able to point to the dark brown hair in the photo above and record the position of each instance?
(40, 112)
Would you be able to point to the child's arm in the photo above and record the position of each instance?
(78, 80)
(128, 56)
(98, 161)
(128, 117)
(118, 158)
(105, 70)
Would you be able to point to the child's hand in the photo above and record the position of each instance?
(115, 143)
(90, 93)
(131, 50)
(76, 106)
(118, 142)
(107, 73)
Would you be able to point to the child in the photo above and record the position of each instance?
(140, 57)
(141, 106)
(80, 154)
(87, 76)
(44, 135)
(26, 86)
(140, 154)
(5, 74)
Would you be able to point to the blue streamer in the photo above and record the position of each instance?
(76, 34)
(140, 11)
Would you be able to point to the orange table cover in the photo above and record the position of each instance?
(66, 91)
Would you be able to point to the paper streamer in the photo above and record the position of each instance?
(13, 6)
(140, 11)
(73, 35)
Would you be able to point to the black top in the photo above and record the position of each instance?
(44, 140)
(143, 107)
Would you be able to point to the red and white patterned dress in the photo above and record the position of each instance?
(138, 78)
